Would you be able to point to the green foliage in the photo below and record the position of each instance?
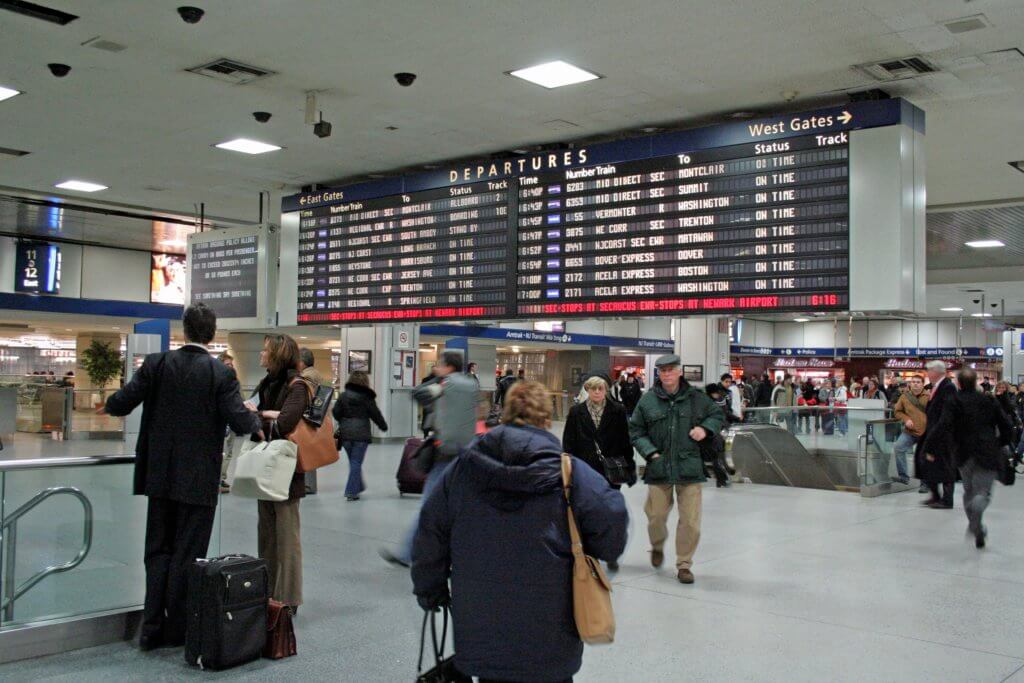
(102, 362)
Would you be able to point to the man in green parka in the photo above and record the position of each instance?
(665, 428)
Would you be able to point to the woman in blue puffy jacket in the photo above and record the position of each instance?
(496, 527)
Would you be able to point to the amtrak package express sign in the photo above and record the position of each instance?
(738, 218)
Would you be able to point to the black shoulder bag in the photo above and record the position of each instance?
(617, 469)
(444, 670)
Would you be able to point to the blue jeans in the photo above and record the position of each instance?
(433, 478)
(356, 451)
(899, 449)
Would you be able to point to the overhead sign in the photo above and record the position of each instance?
(743, 217)
(513, 335)
(868, 352)
(37, 268)
(224, 275)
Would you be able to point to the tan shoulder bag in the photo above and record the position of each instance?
(591, 590)
(316, 444)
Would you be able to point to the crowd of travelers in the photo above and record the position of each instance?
(494, 502)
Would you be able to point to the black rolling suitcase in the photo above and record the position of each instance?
(227, 611)
(411, 477)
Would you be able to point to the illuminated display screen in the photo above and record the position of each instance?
(167, 279)
(37, 268)
(742, 222)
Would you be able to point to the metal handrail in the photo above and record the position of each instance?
(79, 461)
(11, 591)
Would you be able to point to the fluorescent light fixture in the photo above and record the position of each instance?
(8, 93)
(981, 315)
(80, 186)
(554, 74)
(247, 146)
(952, 309)
(801, 320)
(984, 244)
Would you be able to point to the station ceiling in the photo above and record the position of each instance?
(134, 119)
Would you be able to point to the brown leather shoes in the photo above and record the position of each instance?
(657, 558)
(685, 576)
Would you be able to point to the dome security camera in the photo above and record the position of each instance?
(405, 79)
(190, 15)
(59, 70)
(261, 116)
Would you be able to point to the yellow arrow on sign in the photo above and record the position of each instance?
(845, 117)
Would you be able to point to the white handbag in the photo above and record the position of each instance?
(265, 469)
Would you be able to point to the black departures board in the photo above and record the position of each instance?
(743, 217)
(440, 254)
(225, 275)
(759, 226)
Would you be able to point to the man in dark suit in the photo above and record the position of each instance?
(188, 399)
(934, 463)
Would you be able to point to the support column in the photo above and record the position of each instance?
(704, 342)
(245, 348)
(161, 328)
(383, 342)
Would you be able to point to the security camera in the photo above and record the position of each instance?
(322, 129)
(59, 70)
(190, 15)
(405, 79)
(975, 301)
(261, 116)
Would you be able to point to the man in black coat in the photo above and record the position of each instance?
(934, 461)
(188, 399)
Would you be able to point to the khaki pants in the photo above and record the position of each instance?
(659, 504)
(280, 545)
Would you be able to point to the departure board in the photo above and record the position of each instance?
(751, 227)
(740, 217)
(440, 254)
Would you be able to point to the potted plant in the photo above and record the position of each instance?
(102, 363)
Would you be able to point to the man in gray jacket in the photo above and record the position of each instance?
(449, 405)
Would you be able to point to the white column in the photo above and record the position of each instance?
(245, 348)
(704, 342)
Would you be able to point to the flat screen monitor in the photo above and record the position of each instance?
(167, 279)
(37, 268)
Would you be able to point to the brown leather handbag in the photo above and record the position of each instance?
(280, 631)
(315, 441)
(591, 589)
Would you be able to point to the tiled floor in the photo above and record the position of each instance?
(792, 585)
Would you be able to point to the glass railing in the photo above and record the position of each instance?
(44, 407)
(820, 427)
(73, 538)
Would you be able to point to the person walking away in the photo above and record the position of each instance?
(229, 437)
(980, 430)
(504, 384)
(1004, 398)
(353, 412)
(735, 397)
(838, 397)
(808, 398)
(630, 394)
(911, 409)
(449, 403)
(785, 396)
(496, 527)
(188, 398)
(283, 397)
(763, 399)
(670, 421)
(933, 461)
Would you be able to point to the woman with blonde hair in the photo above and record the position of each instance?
(598, 429)
(499, 515)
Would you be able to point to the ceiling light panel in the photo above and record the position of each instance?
(247, 146)
(8, 93)
(984, 244)
(80, 186)
(554, 74)
(952, 309)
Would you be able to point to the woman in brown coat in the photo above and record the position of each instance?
(911, 410)
(284, 397)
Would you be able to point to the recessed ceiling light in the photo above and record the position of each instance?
(1019, 165)
(800, 320)
(981, 315)
(115, 328)
(554, 74)
(8, 93)
(952, 309)
(80, 186)
(247, 146)
(303, 337)
(984, 244)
